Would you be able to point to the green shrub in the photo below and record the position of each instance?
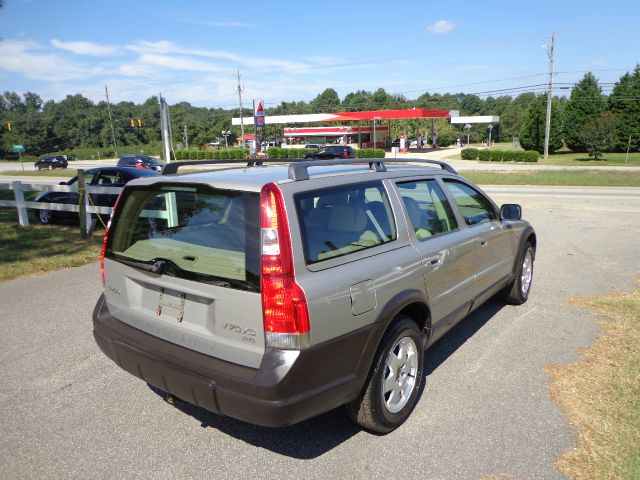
(295, 153)
(484, 155)
(498, 155)
(531, 156)
(469, 154)
(370, 153)
(445, 139)
(275, 152)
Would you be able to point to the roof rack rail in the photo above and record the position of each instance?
(171, 168)
(444, 165)
(299, 170)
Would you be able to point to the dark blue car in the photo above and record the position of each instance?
(94, 177)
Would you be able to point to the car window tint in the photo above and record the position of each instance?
(338, 221)
(107, 177)
(203, 234)
(427, 208)
(475, 208)
(122, 178)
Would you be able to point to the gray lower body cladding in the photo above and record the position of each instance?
(288, 387)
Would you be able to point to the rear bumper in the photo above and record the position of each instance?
(288, 387)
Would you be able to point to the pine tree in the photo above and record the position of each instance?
(585, 104)
(532, 133)
(624, 101)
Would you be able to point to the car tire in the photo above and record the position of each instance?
(517, 292)
(393, 385)
(45, 216)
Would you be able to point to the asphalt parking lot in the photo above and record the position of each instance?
(69, 412)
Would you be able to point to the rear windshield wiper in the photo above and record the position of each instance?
(167, 267)
(155, 266)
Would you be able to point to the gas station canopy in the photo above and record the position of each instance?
(352, 116)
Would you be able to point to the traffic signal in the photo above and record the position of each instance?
(132, 123)
(139, 122)
(9, 126)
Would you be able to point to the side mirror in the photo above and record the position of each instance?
(510, 211)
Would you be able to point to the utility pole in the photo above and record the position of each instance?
(166, 132)
(185, 136)
(113, 133)
(240, 88)
(547, 126)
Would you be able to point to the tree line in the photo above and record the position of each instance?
(587, 121)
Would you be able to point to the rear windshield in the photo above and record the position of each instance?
(190, 231)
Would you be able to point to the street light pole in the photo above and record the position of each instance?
(547, 126)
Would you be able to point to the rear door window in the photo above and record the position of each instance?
(342, 220)
(193, 232)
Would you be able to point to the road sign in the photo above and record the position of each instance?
(18, 149)
(259, 115)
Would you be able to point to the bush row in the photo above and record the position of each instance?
(491, 155)
(277, 152)
(370, 153)
(273, 152)
(229, 154)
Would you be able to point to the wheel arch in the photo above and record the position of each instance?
(528, 235)
(412, 303)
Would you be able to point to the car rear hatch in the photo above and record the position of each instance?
(182, 262)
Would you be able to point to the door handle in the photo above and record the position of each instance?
(483, 242)
(433, 259)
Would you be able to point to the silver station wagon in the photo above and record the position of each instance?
(271, 293)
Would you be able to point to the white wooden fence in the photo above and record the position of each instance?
(84, 206)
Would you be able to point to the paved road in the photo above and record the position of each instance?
(71, 413)
(440, 154)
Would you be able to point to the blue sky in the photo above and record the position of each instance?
(190, 50)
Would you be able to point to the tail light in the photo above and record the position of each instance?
(284, 305)
(104, 247)
(106, 238)
(345, 153)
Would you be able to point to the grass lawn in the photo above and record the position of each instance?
(586, 178)
(600, 394)
(569, 158)
(37, 249)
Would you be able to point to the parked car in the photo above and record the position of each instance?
(140, 161)
(332, 151)
(49, 162)
(95, 177)
(274, 293)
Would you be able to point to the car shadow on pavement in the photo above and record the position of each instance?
(319, 435)
(458, 335)
(305, 440)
